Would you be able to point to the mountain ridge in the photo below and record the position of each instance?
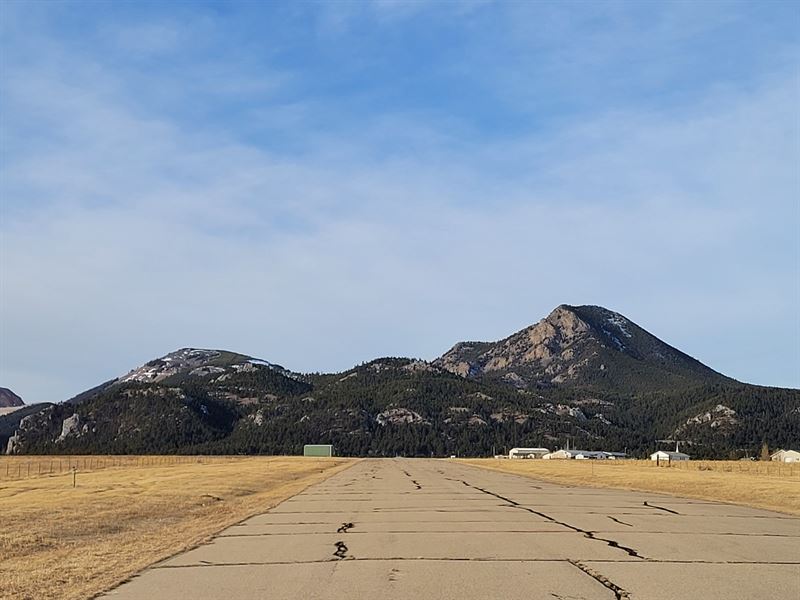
(583, 373)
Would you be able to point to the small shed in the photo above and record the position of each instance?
(668, 456)
(318, 450)
(787, 456)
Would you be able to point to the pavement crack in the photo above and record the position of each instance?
(589, 534)
(614, 544)
(661, 508)
(619, 592)
(345, 527)
(618, 521)
(341, 550)
(414, 481)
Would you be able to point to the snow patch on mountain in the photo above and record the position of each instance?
(620, 322)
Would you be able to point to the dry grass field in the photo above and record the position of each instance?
(772, 486)
(65, 543)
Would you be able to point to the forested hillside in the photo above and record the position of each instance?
(584, 376)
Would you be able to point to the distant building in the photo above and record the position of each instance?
(668, 456)
(584, 455)
(787, 456)
(317, 450)
(528, 452)
(588, 455)
(597, 455)
(615, 455)
(561, 454)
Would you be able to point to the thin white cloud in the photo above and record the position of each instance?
(127, 234)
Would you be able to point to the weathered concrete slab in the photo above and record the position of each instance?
(419, 545)
(667, 546)
(668, 581)
(436, 529)
(385, 580)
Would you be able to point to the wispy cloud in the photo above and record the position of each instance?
(128, 232)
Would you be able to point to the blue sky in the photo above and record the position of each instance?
(322, 184)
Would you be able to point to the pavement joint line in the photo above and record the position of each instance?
(206, 564)
(696, 562)
(496, 530)
(371, 522)
(589, 512)
(387, 509)
(619, 592)
(405, 531)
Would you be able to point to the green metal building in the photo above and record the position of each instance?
(317, 450)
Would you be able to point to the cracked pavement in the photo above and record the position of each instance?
(418, 528)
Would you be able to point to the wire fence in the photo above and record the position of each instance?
(753, 467)
(23, 467)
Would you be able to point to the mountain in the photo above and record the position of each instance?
(9, 399)
(587, 346)
(583, 375)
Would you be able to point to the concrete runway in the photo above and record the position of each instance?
(415, 528)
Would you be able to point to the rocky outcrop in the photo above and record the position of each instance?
(15, 442)
(72, 426)
(13, 445)
(398, 416)
(545, 349)
(720, 417)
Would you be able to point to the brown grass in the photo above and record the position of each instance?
(773, 486)
(65, 543)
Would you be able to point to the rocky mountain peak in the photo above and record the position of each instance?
(573, 344)
(541, 344)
